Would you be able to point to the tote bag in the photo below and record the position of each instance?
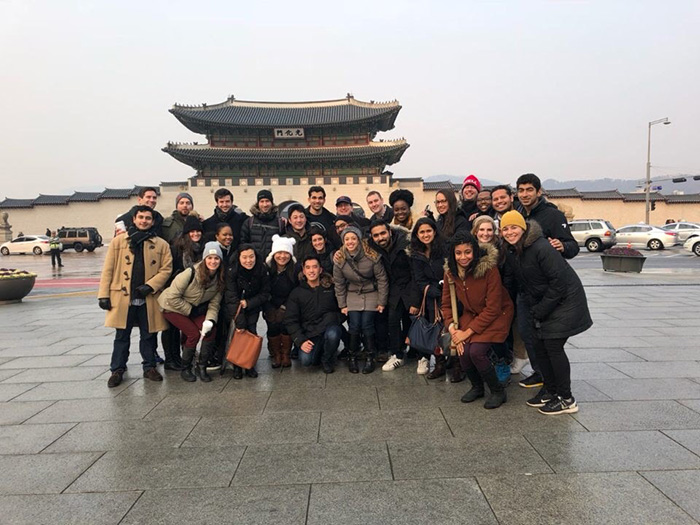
(423, 335)
(244, 349)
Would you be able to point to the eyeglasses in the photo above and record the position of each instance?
(443, 201)
(483, 200)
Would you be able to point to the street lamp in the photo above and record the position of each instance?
(663, 121)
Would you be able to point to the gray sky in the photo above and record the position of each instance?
(561, 89)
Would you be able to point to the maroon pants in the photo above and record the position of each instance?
(190, 327)
(475, 356)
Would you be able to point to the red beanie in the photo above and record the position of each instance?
(473, 181)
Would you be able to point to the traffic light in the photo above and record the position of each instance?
(653, 205)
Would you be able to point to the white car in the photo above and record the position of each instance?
(645, 236)
(693, 245)
(36, 244)
(685, 230)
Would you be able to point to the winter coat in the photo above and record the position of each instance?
(461, 224)
(180, 262)
(327, 220)
(128, 219)
(361, 283)
(186, 292)
(174, 224)
(428, 272)
(467, 209)
(116, 276)
(259, 229)
(486, 306)
(554, 225)
(550, 287)
(387, 217)
(303, 246)
(253, 286)
(398, 268)
(234, 218)
(281, 285)
(311, 310)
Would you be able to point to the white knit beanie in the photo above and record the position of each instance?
(281, 244)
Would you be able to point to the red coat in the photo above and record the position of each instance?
(486, 306)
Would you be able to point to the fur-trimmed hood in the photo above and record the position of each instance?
(534, 232)
(487, 261)
(365, 248)
(255, 211)
(325, 280)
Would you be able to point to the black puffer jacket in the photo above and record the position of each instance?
(311, 310)
(398, 267)
(554, 225)
(428, 272)
(303, 246)
(281, 285)
(259, 229)
(234, 218)
(252, 285)
(550, 287)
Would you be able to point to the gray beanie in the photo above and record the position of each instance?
(351, 229)
(184, 195)
(212, 248)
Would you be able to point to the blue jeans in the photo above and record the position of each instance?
(325, 347)
(525, 326)
(138, 315)
(361, 322)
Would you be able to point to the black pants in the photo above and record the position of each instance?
(137, 316)
(554, 365)
(56, 256)
(399, 323)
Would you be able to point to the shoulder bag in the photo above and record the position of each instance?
(245, 346)
(424, 335)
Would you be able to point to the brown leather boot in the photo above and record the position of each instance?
(274, 346)
(439, 369)
(285, 350)
(457, 373)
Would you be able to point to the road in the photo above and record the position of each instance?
(670, 258)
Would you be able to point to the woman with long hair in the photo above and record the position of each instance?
(283, 279)
(322, 248)
(362, 290)
(401, 202)
(427, 260)
(187, 248)
(247, 286)
(557, 301)
(484, 313)
(450, 219)
(191, 303)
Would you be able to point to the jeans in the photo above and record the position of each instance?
(525, 326)
(137, 315)
(56, 255)
(190, 327)
(554, 366)
(361, 322)
(325, 347)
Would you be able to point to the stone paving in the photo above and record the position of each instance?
(297, 446)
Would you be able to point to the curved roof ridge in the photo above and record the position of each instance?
(196, 146)
(232, 102)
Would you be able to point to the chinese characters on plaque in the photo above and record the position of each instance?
(289, 133)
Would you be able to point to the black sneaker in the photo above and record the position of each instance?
(214, 364)
(541, 399)
(533, 381)
(557, 405)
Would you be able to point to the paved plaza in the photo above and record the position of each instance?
(299, 447)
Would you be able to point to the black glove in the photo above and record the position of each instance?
(105, 303)
(142, 291)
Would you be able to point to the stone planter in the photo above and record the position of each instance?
(16, 288)
(623, 263)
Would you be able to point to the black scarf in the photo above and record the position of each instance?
(137, 237)
(224, 216)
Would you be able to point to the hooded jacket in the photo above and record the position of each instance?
(551, 288)
(259, 229)
(486, 306)
(310, 311)
(361, 283)
(554, 224)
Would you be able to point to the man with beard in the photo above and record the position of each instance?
(317, 213)
(175, 223)
(264, 223)
(391, 244)
(502, 202)
(226, 212)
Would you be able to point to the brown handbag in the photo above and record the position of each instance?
(244, 349)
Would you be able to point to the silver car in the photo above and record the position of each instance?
(594, 234)
(644, 236)
(683, 229)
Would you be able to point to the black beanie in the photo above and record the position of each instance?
(265, 194)
(191, 224)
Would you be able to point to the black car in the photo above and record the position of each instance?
(79, 239)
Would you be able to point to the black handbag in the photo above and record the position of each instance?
(424, 335)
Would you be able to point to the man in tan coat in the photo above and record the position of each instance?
(136, 269)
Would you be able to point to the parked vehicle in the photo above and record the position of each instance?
(36, 244)
(595, 234)
(684, 229)
(692, 244)
(79, 239)
(645, 236)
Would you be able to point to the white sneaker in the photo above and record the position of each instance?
(392, 364)
(518, 364)
(422, 366)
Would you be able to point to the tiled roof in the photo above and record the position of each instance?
(563, 193)
(51, 199)
(683, 199)
(17, 203)
(601, 195)
(176, 183)
(387, 152)
(117, 193)
(441, 185)
(635, 197)
(246, 114)
(85, 196)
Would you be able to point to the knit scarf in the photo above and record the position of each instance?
(137, 237)
(408, 224)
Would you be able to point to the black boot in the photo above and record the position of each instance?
(477, 389)
(204, 355)
(237, 372)
(498, 392)
(171, 349)
(457, 372)
(371, 354)
(439, 369)
(187, 358)
(352, 353)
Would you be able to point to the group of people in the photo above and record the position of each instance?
(489, 265)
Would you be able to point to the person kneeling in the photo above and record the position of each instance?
(486, 313)
(191, 303)
(312, 316)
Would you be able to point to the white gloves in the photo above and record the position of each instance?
(207, 326)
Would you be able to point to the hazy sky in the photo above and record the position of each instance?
(561, 89)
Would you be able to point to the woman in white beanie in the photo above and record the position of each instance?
(191, 303)
(283, 279)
